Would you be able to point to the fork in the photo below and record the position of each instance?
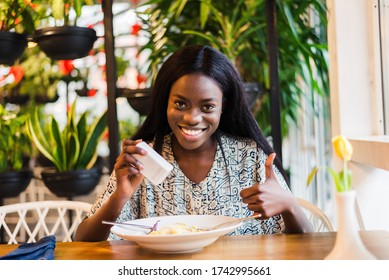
(126, 225)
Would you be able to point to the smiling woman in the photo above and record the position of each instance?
(200, 122)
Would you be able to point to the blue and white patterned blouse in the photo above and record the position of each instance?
(239, 163)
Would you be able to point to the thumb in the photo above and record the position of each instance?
(269, 166)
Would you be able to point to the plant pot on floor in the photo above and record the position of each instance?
(71, 183)
(65, 42)
(12, 45)
(12, 183)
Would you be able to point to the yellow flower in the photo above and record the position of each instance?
(342, 147)
(342, 179)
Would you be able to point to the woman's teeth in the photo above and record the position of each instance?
(192, 132)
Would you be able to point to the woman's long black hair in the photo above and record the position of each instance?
(236, 119)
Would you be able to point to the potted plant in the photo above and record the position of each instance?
(18, 18)
(15, 145)
(66, 40)
(238, 29)
(34, 78)
(72, 150)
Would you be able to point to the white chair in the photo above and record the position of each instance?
(319, 220)
(29, 221)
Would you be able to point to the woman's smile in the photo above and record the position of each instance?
(192, 131)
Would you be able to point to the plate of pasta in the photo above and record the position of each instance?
(176, 234)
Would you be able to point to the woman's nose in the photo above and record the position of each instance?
(192, 116)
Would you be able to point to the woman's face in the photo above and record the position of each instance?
(194, 109)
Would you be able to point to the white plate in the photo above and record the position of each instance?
(176, 243)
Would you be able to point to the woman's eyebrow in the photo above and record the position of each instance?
(178, 95)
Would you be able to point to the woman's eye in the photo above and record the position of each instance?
(208, 107)
(179, 104)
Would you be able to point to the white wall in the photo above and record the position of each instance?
(356, 107)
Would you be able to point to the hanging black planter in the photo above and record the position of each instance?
(41, 98)
(15, 97)
(12, 45)
(65, 42)
(12, 183)
(139, 99)
(71, 183)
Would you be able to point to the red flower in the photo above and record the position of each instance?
(141, 78)
(65, 66)
(92, 92)
(135, 29)
(18, 73)
(34, 6)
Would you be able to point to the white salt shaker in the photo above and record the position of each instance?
(156, 168)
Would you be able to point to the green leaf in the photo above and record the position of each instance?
(89, 150)
(82, 129)
(35, 131)
(77, 6)
(345, 180)
(71, 117)
(73, 150)
(204, 12)
(17, 164)
(311, 175)
(59, 151)
(337, 180)
(58, 9)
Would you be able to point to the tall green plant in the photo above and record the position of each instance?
(75, 147)
(238, 29)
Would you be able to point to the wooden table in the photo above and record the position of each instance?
(310, 246)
